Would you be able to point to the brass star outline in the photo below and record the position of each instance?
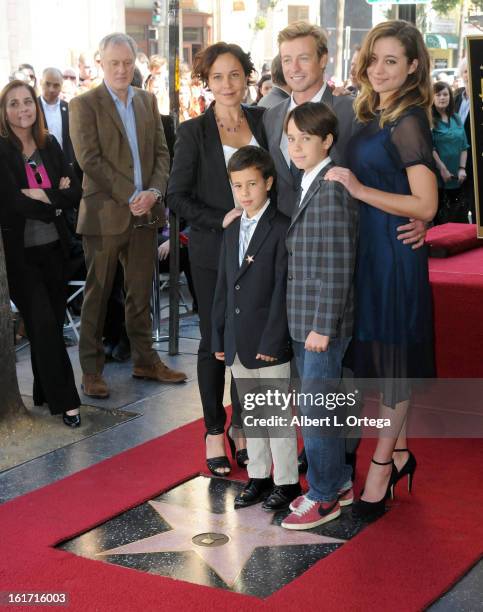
(246, 529)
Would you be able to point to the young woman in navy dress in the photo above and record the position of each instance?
(391, 172)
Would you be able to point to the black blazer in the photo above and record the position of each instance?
(249, 313)
(467, 125)
(198, 189)
(15, 207)
(67, 147)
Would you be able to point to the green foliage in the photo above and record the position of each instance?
(443, 7)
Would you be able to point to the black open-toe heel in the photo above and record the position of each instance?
(407, 469)
(370, 511)
(240, 456)
(217, 463)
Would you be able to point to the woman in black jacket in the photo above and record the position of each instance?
(37, 185)
(199, 191)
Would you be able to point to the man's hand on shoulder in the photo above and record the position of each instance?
(143, 203)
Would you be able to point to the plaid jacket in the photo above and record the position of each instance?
(321, 243)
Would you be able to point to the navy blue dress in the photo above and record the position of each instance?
(393, 334)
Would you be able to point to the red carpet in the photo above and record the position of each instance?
(404, 561)
(457, 286)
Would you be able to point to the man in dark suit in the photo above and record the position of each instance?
(120, 145)
(304, 56)
(280, 90)
(462, 107)
(56, 111)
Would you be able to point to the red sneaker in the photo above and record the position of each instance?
(346, 498)
(309, 514)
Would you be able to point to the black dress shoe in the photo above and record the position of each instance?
(73, 420)
(254, 492)
(122, 351)
(302, 462)
(281, 497)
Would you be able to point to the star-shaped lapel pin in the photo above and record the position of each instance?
(224, 541)
(250, 259)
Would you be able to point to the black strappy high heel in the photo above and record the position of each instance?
(240, 456)
(407, 469)
(217, 463)
(370, 511)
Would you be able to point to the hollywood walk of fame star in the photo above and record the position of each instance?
(250, 259)
(245, 530)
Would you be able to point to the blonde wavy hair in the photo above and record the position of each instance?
(416, 91)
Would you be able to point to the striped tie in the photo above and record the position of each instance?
(245, 227)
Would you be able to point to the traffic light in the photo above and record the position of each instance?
(157, 8)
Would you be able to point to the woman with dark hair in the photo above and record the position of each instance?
(199, 191)
(392, 174)
(264, 87)
(451, 153)
(37, 184)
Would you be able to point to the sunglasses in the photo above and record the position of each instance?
(37, 175)
(70, 77)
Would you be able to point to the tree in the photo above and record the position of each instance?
(443, 7)
(11, 405)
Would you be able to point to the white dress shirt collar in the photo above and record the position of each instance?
(309, 177)
(316, 98)
(259, 214)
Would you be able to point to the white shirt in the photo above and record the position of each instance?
(247, 234)
(229, 151)
(309, 177)
(464, 107)
(293, 104)
(53, 116)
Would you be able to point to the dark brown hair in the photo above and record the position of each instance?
(252, 157)
(205, 59)
(39, 132)
(277, 72)
(416, 91)
(314, 118)
(437, 87)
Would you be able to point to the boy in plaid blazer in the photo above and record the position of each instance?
(321, 243)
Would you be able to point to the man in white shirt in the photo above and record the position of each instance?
(55, 110)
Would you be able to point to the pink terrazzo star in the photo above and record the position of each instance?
(246, 530)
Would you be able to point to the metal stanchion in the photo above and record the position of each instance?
(156, 297)
(173, 33)
(173, 284)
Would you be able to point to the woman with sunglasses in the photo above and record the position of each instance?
(36, 185)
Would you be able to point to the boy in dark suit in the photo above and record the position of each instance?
(250, 330)
(321, 243)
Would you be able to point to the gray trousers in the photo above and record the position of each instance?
(279, 447)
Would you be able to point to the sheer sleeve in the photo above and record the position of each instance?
(411, 137)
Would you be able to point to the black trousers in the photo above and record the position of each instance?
(211, 372)
(39, 292)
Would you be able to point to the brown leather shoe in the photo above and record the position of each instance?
(94, 385)
(160, 372)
